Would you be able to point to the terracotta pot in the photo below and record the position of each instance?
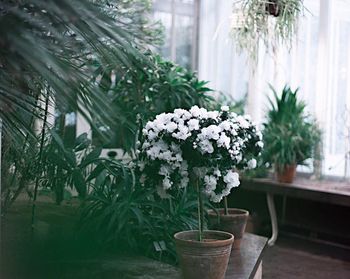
(207, 259)
(286, 174)
(235, 223)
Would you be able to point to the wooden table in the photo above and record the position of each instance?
(245, 263)
(326, 191)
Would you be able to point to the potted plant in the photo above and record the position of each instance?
(199, 148)
(290, 134)
(265, 20)
(234, 220)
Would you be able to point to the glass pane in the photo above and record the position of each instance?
(337, 141)
(165, 19)
(183, 38)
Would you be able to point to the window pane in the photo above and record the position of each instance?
(184, 35)
(165, 18)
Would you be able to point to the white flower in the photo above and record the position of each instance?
(251, 164)
(225, 108)
(152, 135)
(12, 168)
(224, 141)
(217, 172)
(182, 113)
(149, 125)
(162, 193)
(206, 146)
(225, 125)
(195, 111)
(210, 183)
(199, 112)
(211, 132)
(171, 134)
(216, 198)
(260, 144)
(226, 192)
(213, 114)
(167, 183)
(164, 170)
(243, 122)
(141, 165)
(183, 132)
(171, 127)
(193, 124)
(184, 182)
(163, 118)
(232, 178)
(259, 134)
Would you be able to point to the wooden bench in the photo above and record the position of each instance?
(326, 191)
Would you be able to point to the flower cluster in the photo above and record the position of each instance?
(217, 142)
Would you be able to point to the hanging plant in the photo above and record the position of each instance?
(270, 21)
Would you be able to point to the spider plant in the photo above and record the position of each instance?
(269, 21)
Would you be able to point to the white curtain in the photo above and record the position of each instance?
(318, 63)
(219, 63)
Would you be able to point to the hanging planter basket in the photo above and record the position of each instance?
(272, 8)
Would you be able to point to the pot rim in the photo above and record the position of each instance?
(196, 243)
(238, 212)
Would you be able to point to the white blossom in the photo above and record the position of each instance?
(167, 183)
(251, 164)
(224, 140)
(206, 133)
(225, 108)
(193, 124)
(210, 183)
(232, 178)
(171, 127)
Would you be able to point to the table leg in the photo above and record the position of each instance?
(273, 217)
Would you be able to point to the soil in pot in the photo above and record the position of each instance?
(207, 259)
(235, 223)
(286, 174)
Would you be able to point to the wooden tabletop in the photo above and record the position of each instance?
(245, 261)
(328, 191)
(243, 265)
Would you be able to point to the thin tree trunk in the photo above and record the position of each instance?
(43, 132)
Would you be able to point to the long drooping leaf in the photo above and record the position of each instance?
(52, 44)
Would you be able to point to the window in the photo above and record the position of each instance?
(318, 63)
(179, 18)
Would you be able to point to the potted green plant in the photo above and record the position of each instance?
(199, 148)
(265, 20)
(290, 134)
(234, 220)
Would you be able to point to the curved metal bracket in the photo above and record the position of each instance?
(273, 218)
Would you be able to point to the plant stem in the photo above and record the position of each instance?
(225, 206)
(200, 212)
(43, 130)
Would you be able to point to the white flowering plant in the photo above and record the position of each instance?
(200, 147)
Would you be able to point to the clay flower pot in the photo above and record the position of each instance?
(286, 174)
(207, 259)
(235, 223)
